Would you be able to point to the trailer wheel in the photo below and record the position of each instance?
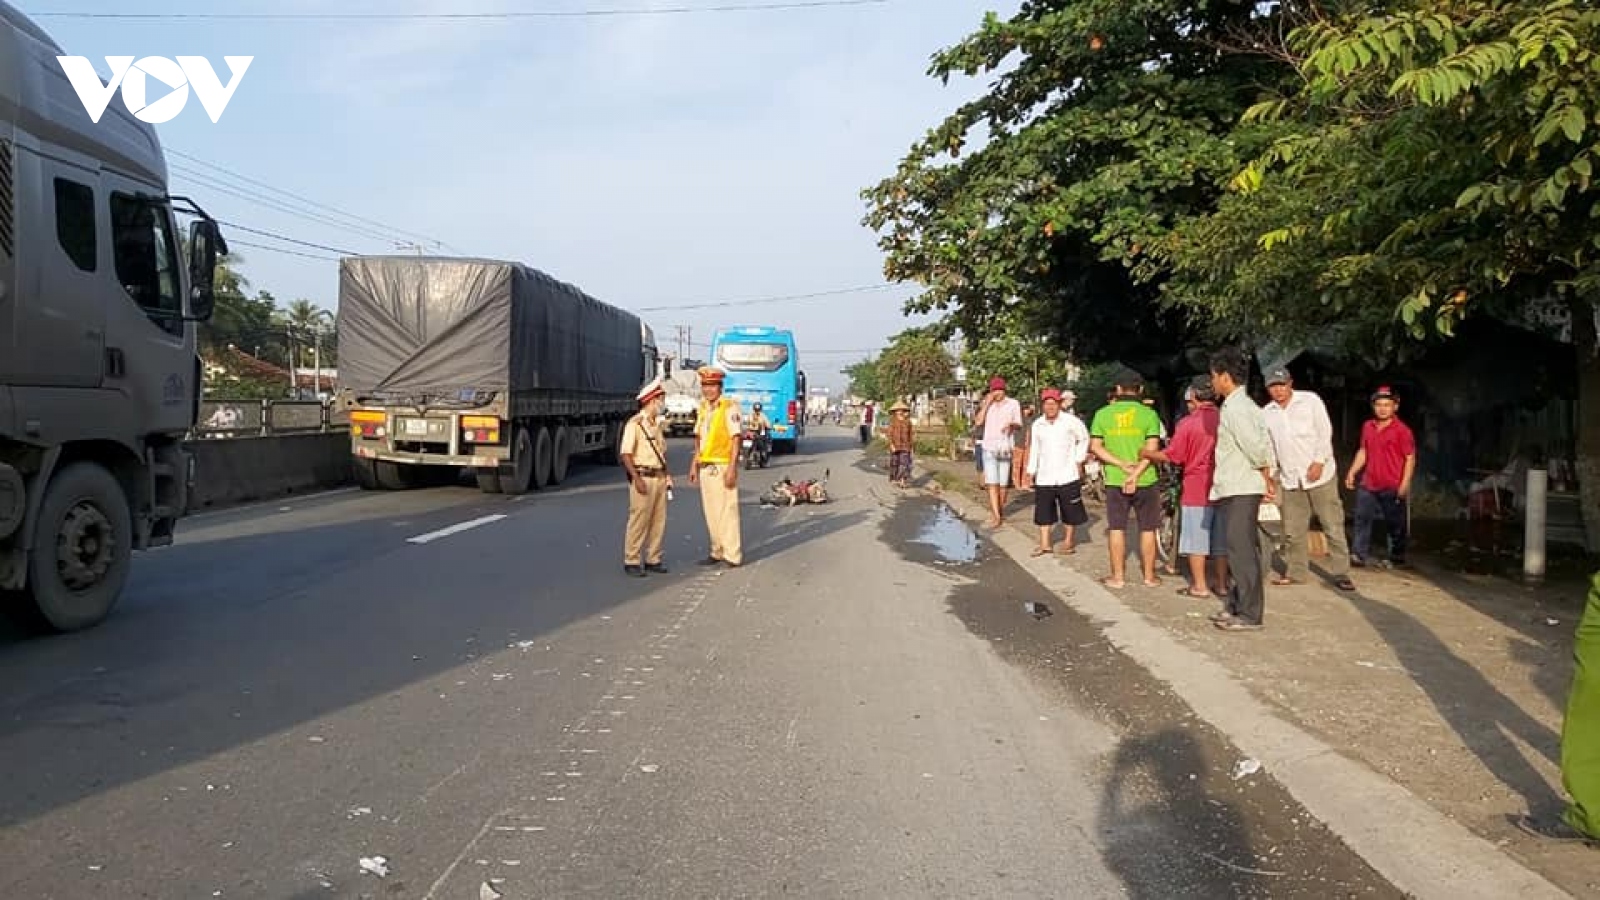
(489, 480)
(543, 458)
(561, 455)
(393, 476)
(366, 475)
(82, 548)
(517, 478)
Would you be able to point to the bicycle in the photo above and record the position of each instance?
(1170, 487)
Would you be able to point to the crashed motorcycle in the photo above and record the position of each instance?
(757, 448)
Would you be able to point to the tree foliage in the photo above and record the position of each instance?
(915, 362)
(1116, 122)
(1434, 162)
(863, 377)
(1028, 359)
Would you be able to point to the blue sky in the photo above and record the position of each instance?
(651, 160)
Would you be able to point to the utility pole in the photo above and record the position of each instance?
(294, 386)
(316, 359)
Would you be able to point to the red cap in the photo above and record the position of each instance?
(997, 383)
(1050, 394)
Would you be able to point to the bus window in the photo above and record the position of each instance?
(753, 357)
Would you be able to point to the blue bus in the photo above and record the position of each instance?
(764, 367)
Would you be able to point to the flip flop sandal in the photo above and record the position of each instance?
(1239, 625)
(1038, 552)
(1285, 582)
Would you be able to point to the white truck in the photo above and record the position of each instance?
(99, 370)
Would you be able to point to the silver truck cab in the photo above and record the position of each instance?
(99, 370)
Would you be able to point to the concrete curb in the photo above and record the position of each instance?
(1417, 848)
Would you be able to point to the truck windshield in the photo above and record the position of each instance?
(753, 357)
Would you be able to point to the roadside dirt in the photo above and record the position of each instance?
(1452, 684)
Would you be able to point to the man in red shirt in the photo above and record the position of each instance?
(1193, 447)
(1386, 461)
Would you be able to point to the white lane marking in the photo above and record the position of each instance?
(453, 529)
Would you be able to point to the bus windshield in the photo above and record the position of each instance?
(753, 357)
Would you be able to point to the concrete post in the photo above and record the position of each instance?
(1533, 558)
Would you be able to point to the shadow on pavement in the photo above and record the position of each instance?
(1155, 786)
(1488, 722)
(1174, 822)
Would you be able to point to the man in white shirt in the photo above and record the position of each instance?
(1057, 450)
(1302, 440)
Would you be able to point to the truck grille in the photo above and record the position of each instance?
(7, 232)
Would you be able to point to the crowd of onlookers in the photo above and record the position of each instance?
(1229, 456)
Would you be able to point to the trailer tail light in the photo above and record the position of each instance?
(480, 429)
(368, 423)
(794, 405)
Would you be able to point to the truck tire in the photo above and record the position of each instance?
(489, 480)
(82, 548)
(517, 478)
(392, 476)
(543, 458)
(561, 455)
(366, 474)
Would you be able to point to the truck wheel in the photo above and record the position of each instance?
(543, 458)
(488, 480)
(393, 476)
(562, 455)
(82, 548)
(366, 476)
(517, 478)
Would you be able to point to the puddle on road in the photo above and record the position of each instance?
(952, 541)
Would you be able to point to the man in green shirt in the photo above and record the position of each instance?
(1117, 436)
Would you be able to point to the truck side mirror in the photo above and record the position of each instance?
(205, 245)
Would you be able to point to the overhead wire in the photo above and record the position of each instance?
(382, 227)
(778, 298)
(261, 200)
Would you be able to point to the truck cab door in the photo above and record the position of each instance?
(150, 348)
(60, 317)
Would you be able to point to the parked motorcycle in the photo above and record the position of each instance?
(757, 448)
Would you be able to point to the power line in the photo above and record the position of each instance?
(262, 200)
(465, 17)
(389, 230)
(238, 243)
(278, 237)
(752, 301)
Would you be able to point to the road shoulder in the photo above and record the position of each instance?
(1412, 844)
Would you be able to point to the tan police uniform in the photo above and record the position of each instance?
(718, 429)
(647, 512)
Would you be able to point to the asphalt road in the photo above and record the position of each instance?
(863, 709)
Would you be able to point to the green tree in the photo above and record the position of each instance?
(1027, 359)
(863, 377)
(915, 362)
(1116, 122)
(1434, 163)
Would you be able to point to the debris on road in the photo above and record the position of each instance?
(650, 768)
(358, 812)
(486, 891)
(375, 865)
(1246, 768)
(1036, 609)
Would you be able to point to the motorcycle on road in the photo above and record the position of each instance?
(757, 448)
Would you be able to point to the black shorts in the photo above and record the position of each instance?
(1059, 503)
(1145, 505)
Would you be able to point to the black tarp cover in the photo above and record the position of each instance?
(416, 326)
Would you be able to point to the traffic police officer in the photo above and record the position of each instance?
(645, 457)
(716, 468)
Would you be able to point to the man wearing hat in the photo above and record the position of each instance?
(999, 417)
(901, 440)
(1058, 446)
(1302, 441)
(1386, 462)
(716, 468)
(644, 455)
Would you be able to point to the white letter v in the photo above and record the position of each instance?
(95, 96)
(208, 86)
